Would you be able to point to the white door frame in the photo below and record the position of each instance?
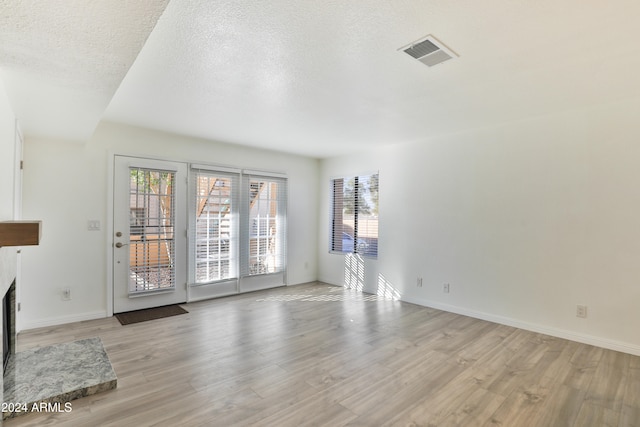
(180, 233)
(17, 210)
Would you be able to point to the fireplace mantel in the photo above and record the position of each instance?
(20, 233)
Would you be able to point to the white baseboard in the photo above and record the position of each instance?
(302, 283)
(555, 332)
(55, 321)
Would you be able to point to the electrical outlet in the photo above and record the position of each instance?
(445, 288)
(66, 294)
(419, 282)
(581, 311)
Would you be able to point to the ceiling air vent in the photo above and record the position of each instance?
(429, 50)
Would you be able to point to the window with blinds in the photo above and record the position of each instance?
(238, 229)
(151, 228)
(215, 234)
(265, 224)
(354, 215)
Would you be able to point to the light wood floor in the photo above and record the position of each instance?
(321, 355)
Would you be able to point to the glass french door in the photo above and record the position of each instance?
(149, 226)
(238, 232)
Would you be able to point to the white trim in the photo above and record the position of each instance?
(153, 292)
(18, 155)
(220, 289)
(206, 298)
(264, 173)
(285, 250)
(150, 165)
(533, 327)
(214, 282)
(61, 320)
(213, 168)
(353, 175)
(111, 159)
(137, 155)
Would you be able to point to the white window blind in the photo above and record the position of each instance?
(238, 230)
(263, 226)
(354, 215)
(215, 229)
(151, 230)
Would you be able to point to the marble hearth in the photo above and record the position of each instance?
(58, 373)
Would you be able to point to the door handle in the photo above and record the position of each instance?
(120, 244)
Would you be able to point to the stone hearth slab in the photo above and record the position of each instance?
(57, 374)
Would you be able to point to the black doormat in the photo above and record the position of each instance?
(149, 314)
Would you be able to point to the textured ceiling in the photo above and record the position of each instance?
(62, 61)
(318, 78)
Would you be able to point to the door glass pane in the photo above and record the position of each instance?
(265, 249)
(214, 236)
(151, 228)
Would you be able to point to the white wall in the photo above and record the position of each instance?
(65, 185)
(8, 255)
(7, 182)
(525, 221)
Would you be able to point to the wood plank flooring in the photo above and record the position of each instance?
(322, 355)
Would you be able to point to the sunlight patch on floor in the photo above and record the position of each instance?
(354, 272)
(336, 297)
(386, 288)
